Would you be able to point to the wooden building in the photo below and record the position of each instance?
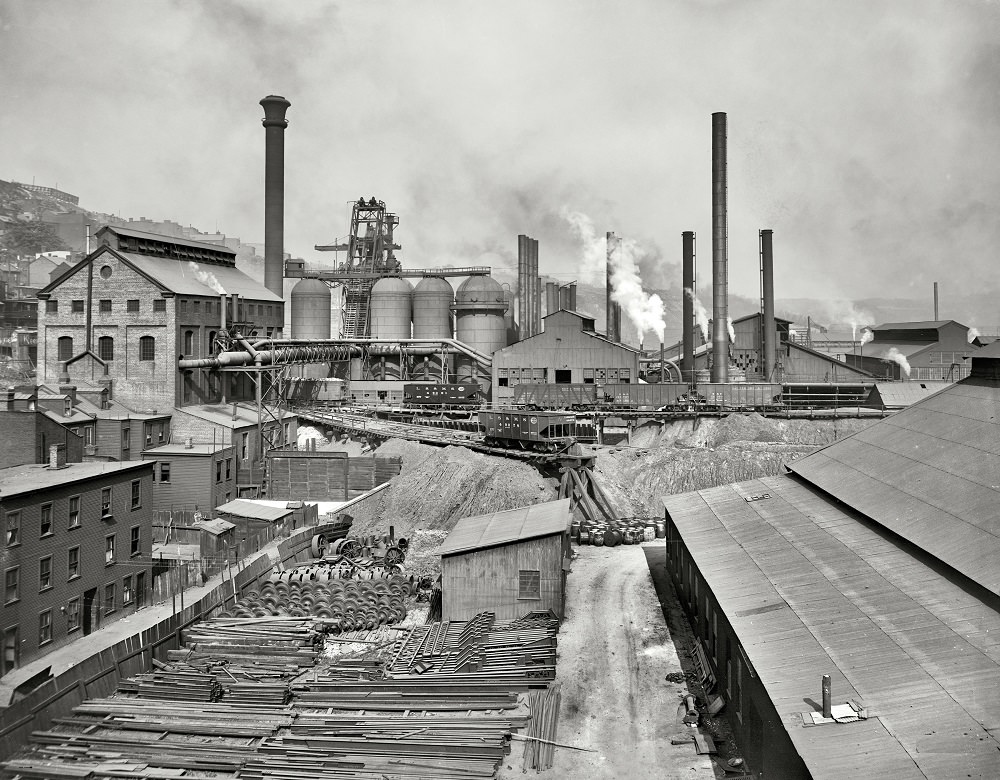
(508, 563)
(189, 476)
(932, 350)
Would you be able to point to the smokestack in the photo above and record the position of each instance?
(223, 301)
(536, 290)
(720, 270)
(687, 332)
(613, 318)
(523, 291)
(274, 191)
(572, 296)
(768, 345)
(551, 298)
(935, 302)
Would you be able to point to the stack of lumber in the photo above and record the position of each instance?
(431, 694)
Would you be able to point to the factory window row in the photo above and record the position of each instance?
(215, 307)
(106, 348)
(105, 306)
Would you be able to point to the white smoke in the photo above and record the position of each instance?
(866, 336)
(700, 313)
(898, 357)
(973, 335)
(207, 278)
(644, 309)
(732, 330)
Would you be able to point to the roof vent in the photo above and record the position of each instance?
(189, 443)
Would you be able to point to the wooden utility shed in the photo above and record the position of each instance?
(508, 563)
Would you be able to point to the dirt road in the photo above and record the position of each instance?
(614, 652)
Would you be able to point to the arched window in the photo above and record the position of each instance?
(147, 348)
(188, 342)
(106, 348)
(211, 342)
(65, 347)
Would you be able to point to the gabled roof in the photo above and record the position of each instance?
(159, 237)
(215, 527)
(924, 325)
(930, 473)
(514, 525)
(899, 395)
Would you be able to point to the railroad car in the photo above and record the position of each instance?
(543, 431)
(645, 398)
(739, 396)
(549, 396)
(463, 394)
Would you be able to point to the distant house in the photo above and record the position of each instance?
(933, 350)
(508, 563)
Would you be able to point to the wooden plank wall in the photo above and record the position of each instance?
(327, 476)
(488, 579)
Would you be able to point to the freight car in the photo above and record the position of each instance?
(609, 397)
(739, 396)
(445, 396)
(316, 391)
(548, 396)
(542, 431)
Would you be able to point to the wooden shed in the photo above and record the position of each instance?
(508, 563)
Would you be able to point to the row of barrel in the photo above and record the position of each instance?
(346, 605)
(633, 530)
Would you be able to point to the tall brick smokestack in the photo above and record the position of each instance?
(687, 330)
(274, 123)
(720, 253)
(770, 361)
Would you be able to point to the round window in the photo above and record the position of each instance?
(105, 271)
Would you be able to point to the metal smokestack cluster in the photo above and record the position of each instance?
(567, 297)
(529, 288)
(767, 303)
(551, 298)
(687, 331)
(614, 310)
(720, 270)
(274, 191)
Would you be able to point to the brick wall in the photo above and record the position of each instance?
(90, 538)
(28, 435)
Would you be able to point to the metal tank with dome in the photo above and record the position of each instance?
(480, 311)
(311, 317)
(432, 301)
(390, 310)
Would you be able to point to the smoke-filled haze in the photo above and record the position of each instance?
(863, 133)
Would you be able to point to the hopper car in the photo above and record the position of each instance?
(541, 431)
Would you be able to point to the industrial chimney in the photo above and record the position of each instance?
(614, 310)
(767, 300)
(687, 331)
(523, 287)
(274, 191)
(720, 270)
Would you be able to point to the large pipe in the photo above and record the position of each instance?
(523, 293)
(767, 300)
(551, 298)
(688, 324)
(274, 191)
(720, 270)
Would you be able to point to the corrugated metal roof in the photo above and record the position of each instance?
(924, 325)
(992, 351)
(810, 590)
(899, 395)
(930, 473)
(222, 414)
(242, 507)
(880, 349)
(215, 527)
(179, 240)
(514, 525)
(180, 277)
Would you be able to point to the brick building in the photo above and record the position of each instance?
(123, 315)
(28, 432)
(77, 551)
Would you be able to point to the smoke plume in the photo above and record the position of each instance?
(700, 313)
(866, 336)
(973, 335)
(207, 278)
(898, 357)
(731, 329)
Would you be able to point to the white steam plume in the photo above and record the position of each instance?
(898, 357)
(973, 335)
(866, 336)
(700, 313)
(732, 330)
(207, 278)
(644, 309)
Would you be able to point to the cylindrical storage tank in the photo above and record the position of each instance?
(389, 312)
(479, 324)
(432, 301)
(310, 310)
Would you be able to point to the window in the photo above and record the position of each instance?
(211, 341)
(148, 429)
(77, 307)
(159, 305)
(45, 527)
(563, 376)
(45, 627)
(229, 468)
(136, 494)
(74, 512)
(44, 573)
(65, 347)
(184, 307)
(126, 438)
(245, 445)
(132, 306)
(72, 615)
(105, 502)
(188, 342)
(197, 307)
(147, 348)
(288, 433)
(106, 348)
(12, 585)
(109, 598)
(159, 435)
(164, 472)
(105, 305)
(528, 584)
(109, 549)
(135, 544)
(127, 594)
(218, 471)
(73, 563)
(88, 435)
(13, 528)
(52, 307)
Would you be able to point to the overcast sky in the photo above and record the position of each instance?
(864, 133)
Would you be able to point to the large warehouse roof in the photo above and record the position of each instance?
(514, 525)
(810, 590)
(930, 473)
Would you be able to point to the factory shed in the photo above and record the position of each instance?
(783, 586)
(932, 349)
(508, 563)
(256, 523)
(893, 396)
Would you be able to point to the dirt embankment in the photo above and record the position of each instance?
(693, 455)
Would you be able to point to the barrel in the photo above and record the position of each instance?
(649, 533)
(584, 537)
(661, 530)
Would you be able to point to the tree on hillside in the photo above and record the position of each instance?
(30, 238)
